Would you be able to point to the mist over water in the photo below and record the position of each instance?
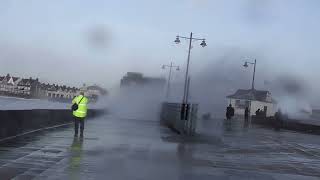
(96, 43)
(211, 82)
(294, 96)
(135, 102)
(224, 73)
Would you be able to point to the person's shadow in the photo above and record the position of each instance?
(227, 124)
(75, 158)
(185, 159)
(246, 123)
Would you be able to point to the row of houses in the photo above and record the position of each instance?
(53, 91)
(33, 88)
(15, 86)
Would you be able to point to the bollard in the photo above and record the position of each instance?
(183, 109)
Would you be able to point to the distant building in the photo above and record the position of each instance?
(56, 92)
(28, 87)
(32, 88)
(19, 87)
(132, 78)
(137, 79)
(254, 100)
(96, 90)
(8, 84)
(93, 92)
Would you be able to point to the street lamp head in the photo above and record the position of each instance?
(245, 64)
(203, 43)
(178, 68)
(177, 41)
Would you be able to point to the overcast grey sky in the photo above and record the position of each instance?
(50, 39)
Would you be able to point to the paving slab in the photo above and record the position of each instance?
(128, 148)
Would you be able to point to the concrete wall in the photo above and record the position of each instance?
(14, 122)
(171, 117)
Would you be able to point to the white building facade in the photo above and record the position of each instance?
(254, 100)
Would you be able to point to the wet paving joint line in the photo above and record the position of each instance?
(304, 151)
(33, 154)
(15, 160)
(32, 165)
(281, 170)
(33, 131)
(295, 146)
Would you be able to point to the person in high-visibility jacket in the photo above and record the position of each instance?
(80, 114)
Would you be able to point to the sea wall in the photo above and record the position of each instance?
(14, 122)
(304, 126)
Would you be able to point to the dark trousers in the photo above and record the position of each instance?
(78, 121)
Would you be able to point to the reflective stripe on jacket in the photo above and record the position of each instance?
(81, 112)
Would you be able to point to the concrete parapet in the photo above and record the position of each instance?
(14, 122)
(171, 116)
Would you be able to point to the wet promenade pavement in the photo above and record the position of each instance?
(119, 148)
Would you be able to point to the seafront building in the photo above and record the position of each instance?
(33, 88)
(254, 100)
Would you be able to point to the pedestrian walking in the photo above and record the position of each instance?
(246, 114)
(229, 112)
(79, 111)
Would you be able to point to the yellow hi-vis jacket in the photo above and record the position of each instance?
(81, 112)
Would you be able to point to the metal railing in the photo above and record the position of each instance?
(182, 120)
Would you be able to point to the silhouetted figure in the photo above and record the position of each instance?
(245, 124)
(229, 112)
(258, 112)
(278, 117)
(263, 113)
(246, 114)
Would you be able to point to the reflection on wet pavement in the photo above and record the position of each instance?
(117, 148)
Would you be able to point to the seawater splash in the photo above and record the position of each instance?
(295, 107)
(138, 102)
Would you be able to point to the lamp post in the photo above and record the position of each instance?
(254, 71)
(191, 39)
(254, 74)
(169, 78)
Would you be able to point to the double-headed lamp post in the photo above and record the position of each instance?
(254, 71)
(169, 78)
(191, 39)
